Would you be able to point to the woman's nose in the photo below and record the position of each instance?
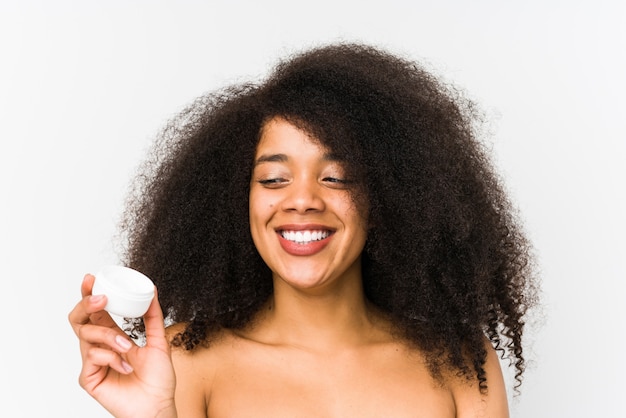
(303, 196)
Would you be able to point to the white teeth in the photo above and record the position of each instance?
(304, 237)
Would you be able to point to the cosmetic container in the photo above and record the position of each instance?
(128, 291)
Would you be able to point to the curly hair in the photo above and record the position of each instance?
(445, 255)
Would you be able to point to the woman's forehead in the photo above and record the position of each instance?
(279, 133)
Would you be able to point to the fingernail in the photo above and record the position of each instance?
(95, 298)
(123, 342)
(127, 367)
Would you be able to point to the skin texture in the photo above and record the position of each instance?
(422, 278)
(295, 186)
(245, 375)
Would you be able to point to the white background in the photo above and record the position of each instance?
(85, 86)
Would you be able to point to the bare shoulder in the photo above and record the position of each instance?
(471, 403)
(195, 372)
(240, 376)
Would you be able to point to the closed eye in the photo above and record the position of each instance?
(335, 182)
(273, 182)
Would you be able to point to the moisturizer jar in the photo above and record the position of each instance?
(128, 291)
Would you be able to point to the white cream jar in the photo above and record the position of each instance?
(128, 291)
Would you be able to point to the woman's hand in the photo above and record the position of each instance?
(128, 380)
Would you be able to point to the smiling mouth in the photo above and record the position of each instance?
(306, 236)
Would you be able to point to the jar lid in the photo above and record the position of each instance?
(128, 291)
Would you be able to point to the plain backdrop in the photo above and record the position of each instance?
(86, 85)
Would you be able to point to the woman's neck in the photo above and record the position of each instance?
(319, 320)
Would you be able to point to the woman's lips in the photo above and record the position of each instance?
(304, 240)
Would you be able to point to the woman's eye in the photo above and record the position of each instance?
(335, 181)
(273, 182)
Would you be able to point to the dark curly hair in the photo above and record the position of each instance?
(445, 256)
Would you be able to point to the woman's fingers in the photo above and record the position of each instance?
(87, 285)
(154, 324)
(98, 357)
(116, 371)
(90, 309)
(102, 342)
(83, 311)
(114, 339)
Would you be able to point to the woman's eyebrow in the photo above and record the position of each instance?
(271, 158)
(282, 158)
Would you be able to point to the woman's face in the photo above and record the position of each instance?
(302, 218)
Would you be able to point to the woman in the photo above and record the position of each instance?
(332, 242)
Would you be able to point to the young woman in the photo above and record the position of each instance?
(330, 243)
